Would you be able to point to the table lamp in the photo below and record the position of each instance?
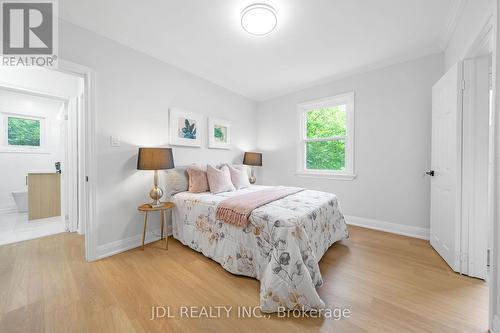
(252, 159)
(155, 159)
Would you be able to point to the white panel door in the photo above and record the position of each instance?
(446, 166)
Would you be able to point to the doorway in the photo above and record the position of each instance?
(477, 111)
(39, 113)
(462, 162)
(84, 204)
(460, 173)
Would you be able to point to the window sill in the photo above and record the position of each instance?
(326, 175)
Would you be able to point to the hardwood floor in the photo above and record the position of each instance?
(390, 283)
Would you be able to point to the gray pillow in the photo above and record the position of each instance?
(177, 180)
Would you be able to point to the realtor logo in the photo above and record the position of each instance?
(29, 28)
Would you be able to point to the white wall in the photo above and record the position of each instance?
(392, 141)
(14, 166)
(472, 19)
(134, 93)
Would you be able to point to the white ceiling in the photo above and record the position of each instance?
(29, 104)
(315, 39)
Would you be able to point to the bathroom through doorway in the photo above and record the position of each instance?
(40, 110)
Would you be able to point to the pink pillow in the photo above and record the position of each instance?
(198, 181)
(219, 180)
(239, 176)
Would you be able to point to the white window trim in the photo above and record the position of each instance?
(6, 148)
(302, 108)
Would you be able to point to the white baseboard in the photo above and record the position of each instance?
(394, 228)
(8, 209)
(496, 324)
(126, 244)
(122, 245)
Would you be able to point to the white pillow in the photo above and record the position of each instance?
(177, 180)
(239, 176)
(219, 180)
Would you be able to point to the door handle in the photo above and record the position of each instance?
(430, 173)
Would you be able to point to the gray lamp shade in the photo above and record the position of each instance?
(254, 159)
(155, 159)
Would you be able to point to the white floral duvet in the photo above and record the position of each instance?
(281, 246)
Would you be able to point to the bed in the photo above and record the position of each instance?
(281, 245)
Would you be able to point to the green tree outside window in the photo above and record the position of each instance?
(327, 127)
(23, 132)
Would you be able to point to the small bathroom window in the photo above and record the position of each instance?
(22, 133)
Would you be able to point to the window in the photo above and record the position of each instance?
(22, 133)
(326, 139)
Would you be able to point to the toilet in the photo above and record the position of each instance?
(21, 199)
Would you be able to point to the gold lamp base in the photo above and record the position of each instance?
(156, 193)
(252, 178)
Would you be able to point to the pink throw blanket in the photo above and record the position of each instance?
(236, 210)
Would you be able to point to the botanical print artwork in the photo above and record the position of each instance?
(220, 133)
(281, 246)
(187, 128)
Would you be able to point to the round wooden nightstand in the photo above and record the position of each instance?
(146, 208)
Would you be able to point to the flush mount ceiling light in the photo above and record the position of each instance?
(259, 19)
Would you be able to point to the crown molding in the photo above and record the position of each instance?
(451, 23)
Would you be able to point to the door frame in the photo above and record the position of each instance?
(483, 45)
(86, 156)
(487, 38)
(469, 230)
